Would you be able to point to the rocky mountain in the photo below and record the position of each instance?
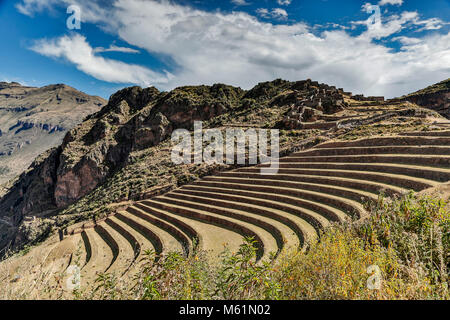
(33, 120)
(435, 97)
(122, 152)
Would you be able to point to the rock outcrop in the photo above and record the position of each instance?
(435, 97)
(33, 120)
(309, 101)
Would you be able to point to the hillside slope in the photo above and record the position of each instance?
(122, 152)
(33, 120)
(435, 97)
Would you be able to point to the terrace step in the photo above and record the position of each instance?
(352, 194)
(62, 253)
(191, 233)
(265, 240)
(350, 207)
(414, 159)
(271, 227)
(175, 233)
(375, 150)
(212, 236)
(307, 217)
(400, 181)
(101, 257)
(442, 133)
(129, 247)
(437, 175)
(161, 239)
(90, 249)
(313, 212)
(294, 229)
(79, 255)
(364, 185)
(106, 234)
(384, 141)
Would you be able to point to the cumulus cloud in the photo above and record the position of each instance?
(430, 24)
(77, 50)
(393, 2)
(392, 24)
(114, 48)
(277, 13)
(239, 49)
(240, 2)
(407, 40)
(284, 2)
(29, 7)
(381, 27)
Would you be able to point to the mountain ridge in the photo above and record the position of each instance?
(34, 119)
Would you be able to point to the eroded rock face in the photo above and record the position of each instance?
(435, 97)
(33, 120)
(77, 182)
(439, 102)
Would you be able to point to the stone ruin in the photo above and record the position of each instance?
(360, 97)
(312, 101)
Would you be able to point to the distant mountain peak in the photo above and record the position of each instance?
(34, 119)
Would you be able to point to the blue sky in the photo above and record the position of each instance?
(238, 42)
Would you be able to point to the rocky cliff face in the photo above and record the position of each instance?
(134, 119)
(33, 120)
(435, 97)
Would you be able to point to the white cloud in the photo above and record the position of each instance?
(407, 40)
(276, 13)
(284, 2)
(240, 2)
(76, 50)
(393, 2)
(238, 49)
(29, 7)
(389, 25)
(263, 12)
(279, 13)
(385, 26)
(114, 48)
(430, 24)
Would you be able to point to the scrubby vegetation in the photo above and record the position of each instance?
(407, 240)
(441, 86)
